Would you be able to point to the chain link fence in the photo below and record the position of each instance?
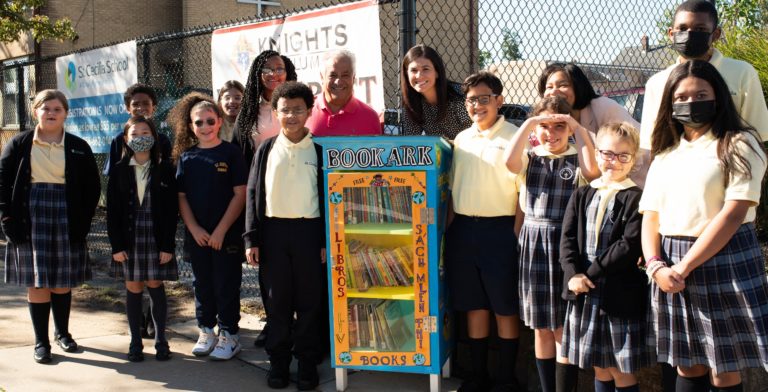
(617, 43)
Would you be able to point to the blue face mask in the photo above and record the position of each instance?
(141, 143)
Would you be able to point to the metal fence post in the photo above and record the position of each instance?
(146, 64)
(407, 25)
(21, 104)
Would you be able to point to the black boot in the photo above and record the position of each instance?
(307, 377)
(478, 379)
(60, 307)
(40, 313)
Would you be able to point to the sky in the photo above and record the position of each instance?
(589, 31)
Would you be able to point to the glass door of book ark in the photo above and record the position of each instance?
(378, 237)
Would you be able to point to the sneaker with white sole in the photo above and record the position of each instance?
(227, 347)
(205, 342)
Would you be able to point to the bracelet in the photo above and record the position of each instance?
(651, 260)
(654, 267)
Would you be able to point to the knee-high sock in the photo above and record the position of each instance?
(604, 386)
(505, 373)
(668, 377)
(546, 368)
(60, 306)
(478, 352)
(566, 377)
(133, 309)
(40, 313)
(735, 388)
(159, 306)
(631, 388)
(692, 384)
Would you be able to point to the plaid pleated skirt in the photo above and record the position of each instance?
(144, 257)
(593, 338)
(48, 260)
(541, 278)
(720, 319)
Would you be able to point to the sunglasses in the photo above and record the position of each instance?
(200, 123)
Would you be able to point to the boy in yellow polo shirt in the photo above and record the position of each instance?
(285, 236)
(481, 249)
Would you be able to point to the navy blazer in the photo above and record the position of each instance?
(626, 288)
(83, 187)
(122, 202)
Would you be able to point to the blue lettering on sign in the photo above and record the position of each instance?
(383, 360)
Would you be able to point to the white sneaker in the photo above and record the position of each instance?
(205, 342)
(227, 347)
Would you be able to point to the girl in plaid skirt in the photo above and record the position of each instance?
(709, 294)
(49, 188)
(551, 172)
(142, 212)
(600, 245)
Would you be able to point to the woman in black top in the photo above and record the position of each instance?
(432, 105)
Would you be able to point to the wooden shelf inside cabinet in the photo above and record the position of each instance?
(379, 228)
(400, 293)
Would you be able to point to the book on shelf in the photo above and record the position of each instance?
(381, 325)
(368, 266)
(377, 204)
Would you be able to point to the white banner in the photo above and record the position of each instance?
(304, 38)
(94, 83)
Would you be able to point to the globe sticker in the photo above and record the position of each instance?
(335, 197)
(419, 359)
(418, 197)
(566, 173)
(345, 357)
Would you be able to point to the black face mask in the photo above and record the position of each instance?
(691, 44)
(694, 114)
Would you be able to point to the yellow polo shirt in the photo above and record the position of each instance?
(481, 183)
(291, 179)
(47, 161)
(742, 80)
(685, 185)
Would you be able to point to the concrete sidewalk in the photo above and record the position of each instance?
(101, 364)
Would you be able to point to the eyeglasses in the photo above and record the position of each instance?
(295, 112)
(480, 99)
(200, 123)
(270, 71)
(608, 155)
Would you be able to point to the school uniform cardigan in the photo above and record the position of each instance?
(82, 187)
(625, 291)
(256, 194)
(122, 204)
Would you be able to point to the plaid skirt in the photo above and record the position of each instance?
(541, 278)
(144, 258)
(48, 260)
(593, 338)
(720, 319)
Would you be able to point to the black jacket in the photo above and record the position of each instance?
(626, 289)
(122, 204)
(256, 203)
(82, 187)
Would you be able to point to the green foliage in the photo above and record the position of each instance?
(735, 15)
(510, 45)
(16, 17)
(483, 58)
(749, 45)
